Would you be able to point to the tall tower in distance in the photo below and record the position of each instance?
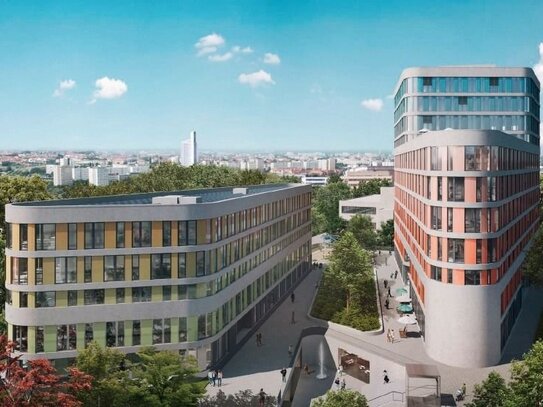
(466, 179)
(189, 151)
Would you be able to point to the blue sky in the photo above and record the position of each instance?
(132, 78)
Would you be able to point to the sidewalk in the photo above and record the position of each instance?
(255, 367)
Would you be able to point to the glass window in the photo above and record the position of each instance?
(45, 299)
(40, 339)
(9, 236)
(200, 263)
(135, 267)
(141, 294)
(182, 292)
(167, 330)
(93, 297)
(166, 293)
(72, 298)
(111, 334)
(191, 236)
(119, 235)
(136, 333)
(89, 334)
(45, 236)
(141, 234)
(435, 273)
(88, 269)
(456, 189)
(20, 337)
(161, 266)
(23, 237)
(119, 295)
(157, 331)
(449, 276)
(62, 337)
(94, 235)
(65, 270)
(187, 232)
(472, 218)
(472, 277)
(202, 327)
(23, 299)
(456, 250)
(182, 329)
(166, 233)
(72, 236)
(19, 270)
(182, 270)
(113, 268)
(436, 217)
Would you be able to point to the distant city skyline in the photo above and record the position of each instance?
(247, 76)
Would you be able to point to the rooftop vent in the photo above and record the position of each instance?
(176, 200)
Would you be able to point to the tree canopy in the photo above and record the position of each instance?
(341, 398)
(38, 385)
(363, 230)
(155, 379)
(326, 207)
(370, 187)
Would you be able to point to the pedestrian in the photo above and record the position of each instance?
(343, 384)
(385, 377)
(306, 369)
(292, 296)
(385, 283)
(340, 370)
(289, 350)
(214, 377)
(389, 294)
(388, 335)
(261, 398)
(396, 274)
(284, 374)
(387, 303)
(219, 378)
(392, 335)
(337, 382)
(292, 320)
(210, 377)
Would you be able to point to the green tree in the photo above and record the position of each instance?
(334, 178)
(21, 189)
(168, 377)
(341, 398)
(108, 368)
(243, 398)
(364, 232)
(386, 233)
(351, 265)
(527, 378)
(326, 207)
(532, 269)
(370, 187)
(491, 392)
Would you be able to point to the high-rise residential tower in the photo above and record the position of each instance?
(189, 151)
(466, 153)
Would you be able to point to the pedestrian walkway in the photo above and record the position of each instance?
(254, 367)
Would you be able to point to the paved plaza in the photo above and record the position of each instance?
(255, 367)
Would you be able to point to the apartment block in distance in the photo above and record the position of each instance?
(191, 271)
(466, 154)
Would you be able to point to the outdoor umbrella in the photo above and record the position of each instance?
(401, 291)
(407, 320)
(403, 298)
(405, 308)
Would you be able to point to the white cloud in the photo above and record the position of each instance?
(220, 58)
(372, 104)
(272, 59)
(538, 68)
(109, 88)
(209, 44)
(246, 50)
(256, 78)
(63, 86)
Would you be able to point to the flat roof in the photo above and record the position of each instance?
(206, 196)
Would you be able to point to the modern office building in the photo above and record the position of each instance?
(378, 207)
(99, 176)
(466, 202)
(192, 271)
(189, 151)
